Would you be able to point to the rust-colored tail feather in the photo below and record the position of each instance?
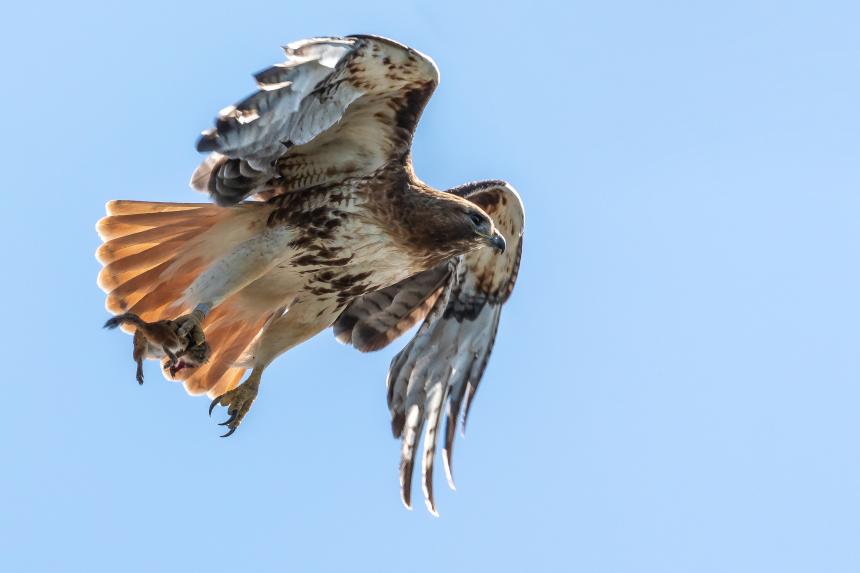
(152, 253)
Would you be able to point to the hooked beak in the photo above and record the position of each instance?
(497, 241)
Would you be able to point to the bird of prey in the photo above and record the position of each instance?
(320, 221)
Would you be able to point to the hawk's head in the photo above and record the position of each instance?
(448, 225)
(473, 228)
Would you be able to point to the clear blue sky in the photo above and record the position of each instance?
(676, 382)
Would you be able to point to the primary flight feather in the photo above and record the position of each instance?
(318, 221)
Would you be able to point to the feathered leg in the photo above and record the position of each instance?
(304, 320)
(230, 274)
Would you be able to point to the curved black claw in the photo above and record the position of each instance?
(234, 413)
(236, 402)
(232, 417)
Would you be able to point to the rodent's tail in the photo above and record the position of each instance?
(124, 318)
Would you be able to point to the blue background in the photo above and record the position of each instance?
(675, 382)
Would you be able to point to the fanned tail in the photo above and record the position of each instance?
(152, 252)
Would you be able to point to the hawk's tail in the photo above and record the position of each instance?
(151, 254)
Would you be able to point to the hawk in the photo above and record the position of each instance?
(319, 221)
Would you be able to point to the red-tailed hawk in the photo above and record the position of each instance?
(319, 221)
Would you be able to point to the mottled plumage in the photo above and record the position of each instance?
(318, 221)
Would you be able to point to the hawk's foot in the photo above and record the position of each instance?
(237, 401)
(191, 326)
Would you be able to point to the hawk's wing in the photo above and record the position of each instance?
(446, 359)
(374, 320)
(337, 108)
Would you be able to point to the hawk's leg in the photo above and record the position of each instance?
(304, 319)
(191, 325)
(238, 401)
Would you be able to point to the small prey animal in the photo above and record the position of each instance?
(164, 339)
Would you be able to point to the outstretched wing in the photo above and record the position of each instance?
(337, 108)
(446, 359)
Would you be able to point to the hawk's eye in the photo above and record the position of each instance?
(477, 220)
